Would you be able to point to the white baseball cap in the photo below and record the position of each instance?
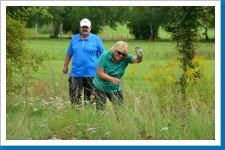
(85, 22)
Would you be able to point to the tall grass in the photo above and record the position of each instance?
(153, 109)
(149, 113)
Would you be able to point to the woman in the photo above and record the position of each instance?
(110, 69)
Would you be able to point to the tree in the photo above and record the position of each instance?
(186, 33)
(145, 21)
(100, 17)
(58, 13)
(37, 16)
(73, 17)
(210, 18)
(111, 16)
(20, 61)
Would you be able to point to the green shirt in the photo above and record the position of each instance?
(115, 70)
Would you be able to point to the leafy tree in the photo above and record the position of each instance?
(32, 16)
(17, 12)
(58, 13)
(210, 18)
(111, 16)
(38, 15)
(20, 61)
(186, 33)
(100, 17)
(73, 17)
(145, 21)
(13, 11)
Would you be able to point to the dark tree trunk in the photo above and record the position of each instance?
(56, 32)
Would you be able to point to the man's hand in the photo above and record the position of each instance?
(65, 69)
(138, 51)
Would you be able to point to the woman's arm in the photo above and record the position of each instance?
(104, 76)
(136, 59)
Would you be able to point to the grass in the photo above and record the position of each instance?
(55, 49)
(153, 109)
(47, 114)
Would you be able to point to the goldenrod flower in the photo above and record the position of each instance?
(197, 59)
(171, 79)
(133, 70)
(148, 77)
(203, 106)
(92, 96)
(169, 68)
(155, 84)
(190, 72)
(158, 73)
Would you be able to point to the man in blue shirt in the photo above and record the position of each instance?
(84, 49)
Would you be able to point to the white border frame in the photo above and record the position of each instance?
(216, 142)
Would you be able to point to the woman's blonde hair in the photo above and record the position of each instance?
(121, 47)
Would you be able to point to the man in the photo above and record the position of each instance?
(84, 49)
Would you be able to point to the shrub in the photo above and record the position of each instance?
(20, 61)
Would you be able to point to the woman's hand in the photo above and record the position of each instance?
(101, 73)
(115, 80)
(138, 50)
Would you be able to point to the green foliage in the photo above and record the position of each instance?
(18, 12)
(108, 15)
(37, 15)
(186, 33)
(19, 60)
(72, 18)
(144, 21)
(46, 29)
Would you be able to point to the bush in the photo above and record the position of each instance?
(20, 61)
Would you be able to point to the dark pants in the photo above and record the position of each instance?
(101, 97)
(76, 86)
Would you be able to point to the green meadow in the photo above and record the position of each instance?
(153, 109)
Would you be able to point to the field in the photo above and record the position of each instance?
(153, 108)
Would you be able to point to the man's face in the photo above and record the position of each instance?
(85, 30)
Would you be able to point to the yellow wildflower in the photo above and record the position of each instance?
(92, 96)
(203, 106)
(171, 79)
(191, 71)
(155, 84)
(133, 70)
(148, 77)
(158, 73)
(170, 68)
(197, 59)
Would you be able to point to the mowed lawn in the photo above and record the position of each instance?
(54, 68)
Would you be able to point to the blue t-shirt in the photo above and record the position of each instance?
(115, 70)
(85, 54)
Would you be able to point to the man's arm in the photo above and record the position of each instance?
(67, 60)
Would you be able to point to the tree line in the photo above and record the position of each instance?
(143, 21)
